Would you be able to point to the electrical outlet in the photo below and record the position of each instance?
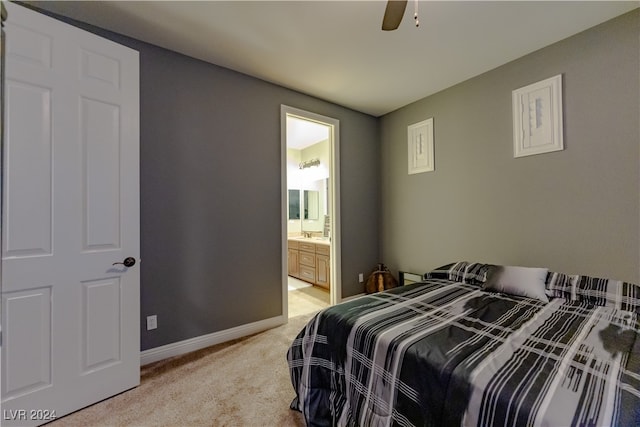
(152, 322)
(361, 277)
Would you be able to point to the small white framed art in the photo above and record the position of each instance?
(537, 118)
(420, 147)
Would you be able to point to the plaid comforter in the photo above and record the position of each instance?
(442, 353)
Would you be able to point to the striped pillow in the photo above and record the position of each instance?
(476, 273)
(444, 272)
(560, 285)
(471, 273)
(607, 293)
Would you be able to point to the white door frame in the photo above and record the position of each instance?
(334, 214)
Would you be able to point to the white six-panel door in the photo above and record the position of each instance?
(70, 319)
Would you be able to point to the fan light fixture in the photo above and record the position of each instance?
(395, 11)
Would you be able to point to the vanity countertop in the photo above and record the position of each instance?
(317, 240)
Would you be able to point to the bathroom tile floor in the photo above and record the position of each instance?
(297, 283)
(306, 298)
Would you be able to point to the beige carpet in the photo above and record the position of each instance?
(244, 382)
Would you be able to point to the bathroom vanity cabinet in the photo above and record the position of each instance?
(309, 261)
(293, 263)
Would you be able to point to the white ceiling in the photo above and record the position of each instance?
(304, 133)
(335, 50)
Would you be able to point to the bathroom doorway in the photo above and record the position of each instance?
(310, 211)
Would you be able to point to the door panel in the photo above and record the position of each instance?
(27, 338)
(102, 323)
(100, 68)
(101, 146)
(28, 229)
(31, 47)
(70, 210)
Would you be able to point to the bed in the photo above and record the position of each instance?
(475, 345)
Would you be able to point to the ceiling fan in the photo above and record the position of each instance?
(394, 12)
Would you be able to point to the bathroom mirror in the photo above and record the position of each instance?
(314, 205)
(294, 204)
(311, 204)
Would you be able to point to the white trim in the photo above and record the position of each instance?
(182, 347)
(284, 212)
(334, 215)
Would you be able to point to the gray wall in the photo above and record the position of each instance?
(210, 194)
(575, 211)
(210, 204)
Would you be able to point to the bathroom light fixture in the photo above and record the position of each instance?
(309, 163)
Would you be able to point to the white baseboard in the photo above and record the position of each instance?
(193, 344)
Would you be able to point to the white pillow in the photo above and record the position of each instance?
(522, 281)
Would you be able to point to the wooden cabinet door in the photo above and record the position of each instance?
(293, 262)
(323, 270)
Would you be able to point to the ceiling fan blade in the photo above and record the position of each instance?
(393, 14)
